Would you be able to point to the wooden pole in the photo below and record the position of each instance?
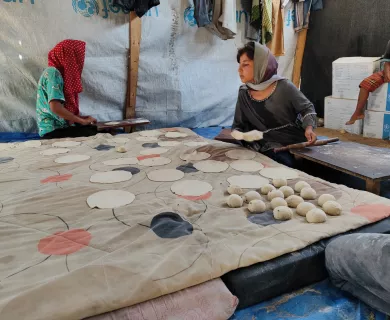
(299, 51)
(133, 61)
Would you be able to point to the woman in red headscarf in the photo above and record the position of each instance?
(58, 112)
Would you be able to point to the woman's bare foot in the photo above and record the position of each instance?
(356, 116)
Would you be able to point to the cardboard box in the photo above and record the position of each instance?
(379, 100)
(349, 72)
(338, 112)
(377, 125)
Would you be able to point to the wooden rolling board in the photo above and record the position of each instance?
(127, 123)
(368, 163)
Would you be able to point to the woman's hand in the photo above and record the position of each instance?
(386, 72)
(88, 120)
(310, 135)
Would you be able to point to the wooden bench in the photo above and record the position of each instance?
(128, 124)
(368, 163)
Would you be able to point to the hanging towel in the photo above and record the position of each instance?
(276, 45)
(203, 12)
(139, 6)
(251, 33)
(256, 17)
(302, 10)
(267, 30)
(224, 23)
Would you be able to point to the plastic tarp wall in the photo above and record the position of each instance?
(187, 76)
(30, 28)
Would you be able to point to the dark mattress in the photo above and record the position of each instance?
(266, 280)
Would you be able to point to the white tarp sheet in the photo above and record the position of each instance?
(187, 76)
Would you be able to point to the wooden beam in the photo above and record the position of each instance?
(133, 61)
(299, 51)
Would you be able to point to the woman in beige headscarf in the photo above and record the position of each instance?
(270, 109)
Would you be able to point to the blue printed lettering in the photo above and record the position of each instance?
(20, 1)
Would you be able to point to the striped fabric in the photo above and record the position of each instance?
(267, 30)
(373, 82)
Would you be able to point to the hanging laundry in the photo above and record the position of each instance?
(256, 16)
(276, 45)
(302, 10)
(267, 30)
(139, 6)
(251, 33)
(203, 12)
(218, 16)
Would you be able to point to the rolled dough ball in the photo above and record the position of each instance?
(283, 213)
(332, 208)
(308, 193)
(324, 198)
(257, 206)
(235, 190)
(267, 189)
(235, 201)
(304, 207)
(287, 191)
(279, 182)
(121, 149)
(316, 216)
(278, 202)
(275, 194)
(300, 185)
(294, 201)
(252, 195)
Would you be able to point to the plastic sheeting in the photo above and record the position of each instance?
(30, 28)
(187, 76)
(321, 301)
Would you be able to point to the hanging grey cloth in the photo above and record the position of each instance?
(139, 6)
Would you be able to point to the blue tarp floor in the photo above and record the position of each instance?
(321, 301)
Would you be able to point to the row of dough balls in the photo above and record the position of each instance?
(280, 205)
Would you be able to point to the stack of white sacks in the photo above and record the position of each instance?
(348, 73)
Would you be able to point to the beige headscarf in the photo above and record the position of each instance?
(265, 69)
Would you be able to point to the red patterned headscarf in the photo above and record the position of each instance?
(68, 58)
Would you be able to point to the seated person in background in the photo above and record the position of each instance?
(58, 89)
(360, 265)
(272, 105)
(369, 85)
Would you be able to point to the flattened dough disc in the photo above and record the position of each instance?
(240, 154)
(154, 162)
(150, 133)
(111, 177)
(32, 144)
(165, 175)
(191, 188)
(112, 123)
(195, 156)
(120, 140)
(176, 135)
(72, 158)
(150, 151)
(168, 143)
(246, 165)
(121, 161)
(110, 199)
(211, 166)
(248, 181)
(196, 143)
(279, 173)
(147, 139)
(66, 144)
(53, 151)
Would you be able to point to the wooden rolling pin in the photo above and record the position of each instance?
(306, 144)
